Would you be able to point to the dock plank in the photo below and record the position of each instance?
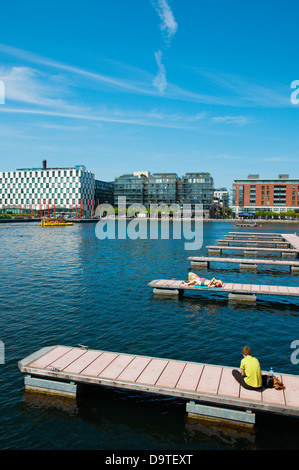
(116, 367)
(190, 377)
(228, 386)
(252, 395)
(47, 359)
(82, 362)
(291, 392)
(152, 372)
(171, 374)
(98, 365)
(65, 360)
(271, 395)
(134, 369)
(209, 380)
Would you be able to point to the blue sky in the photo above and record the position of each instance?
(150, 85)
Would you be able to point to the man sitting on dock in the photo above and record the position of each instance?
(250, 376)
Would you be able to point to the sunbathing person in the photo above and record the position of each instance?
(194, 280)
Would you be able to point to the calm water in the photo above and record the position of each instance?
(64, 286)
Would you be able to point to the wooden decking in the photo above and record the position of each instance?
(294, 251)
(206, 260)
(175, 378)
(258, 234)
(237, 291)
(293, 240)
(167, 286)
(253, 238)
(257, 242)
(262, 236)
(286, 244)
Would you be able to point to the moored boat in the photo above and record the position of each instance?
(54, 222)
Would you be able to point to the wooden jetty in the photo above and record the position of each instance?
(292, 239)
(250, 249)
(244, 263)
(255, 242)
(258, 234)
(213, 391)
(235, 291)
(286, 244)
(253, 238)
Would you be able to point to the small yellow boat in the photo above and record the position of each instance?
(54, 222)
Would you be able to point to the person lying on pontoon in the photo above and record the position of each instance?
(201, 281)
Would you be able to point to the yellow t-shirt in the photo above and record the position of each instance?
(252, 370)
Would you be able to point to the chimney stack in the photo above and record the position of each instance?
(44, 164)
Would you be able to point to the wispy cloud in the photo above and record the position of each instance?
(134, 118)
(97, 77)
(239, 120)
(160, 81)
(30, 86)
(154, 118)
(44, 93)
(168, 24)
(168, 27)
(245, 92)
(228, 90)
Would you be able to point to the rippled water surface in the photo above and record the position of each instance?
(65, 286)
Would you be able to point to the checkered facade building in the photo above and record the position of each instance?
(41, 188)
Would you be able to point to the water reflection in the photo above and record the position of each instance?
(233, 435)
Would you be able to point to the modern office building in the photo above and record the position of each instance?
(270, 194)
(165, 188)
(103, 193)
(75, 191)
(161, 188)
(221, 197)
(130, 186)
(146, 189)
(197, 188)
(47, 189)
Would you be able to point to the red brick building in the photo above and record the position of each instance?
(276, 194)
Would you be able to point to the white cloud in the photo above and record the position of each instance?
(160, 81)
(39, 82)
(246, 92)
(168, 24)
(133, 118)
(27, 85)
(96, 77)
(240, 120)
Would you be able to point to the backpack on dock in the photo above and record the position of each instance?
(278, 384)
(271, 381)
